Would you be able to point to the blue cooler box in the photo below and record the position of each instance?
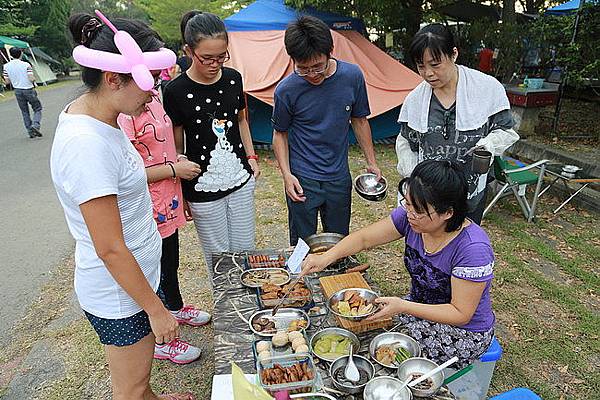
(517, 394)
(474, 384)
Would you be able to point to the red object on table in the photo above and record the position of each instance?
(283, 395)
(532, 99)
(486, 58)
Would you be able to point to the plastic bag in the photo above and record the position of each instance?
(407, 159)
(498, 140)
(244, 390)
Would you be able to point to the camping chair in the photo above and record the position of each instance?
(516, 176)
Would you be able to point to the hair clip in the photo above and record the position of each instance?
(131, 60)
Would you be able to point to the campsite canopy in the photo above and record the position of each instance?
(13, 42)
(570, 7)
(466, 11)
(41, 69)
(257, 51)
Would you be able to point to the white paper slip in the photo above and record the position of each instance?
(294, 263)
(222, 388)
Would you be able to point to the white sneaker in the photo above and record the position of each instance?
(178, 351)
(190, 315)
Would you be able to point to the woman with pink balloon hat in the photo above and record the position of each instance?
(101, 184)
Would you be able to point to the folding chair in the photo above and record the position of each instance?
(515, 176)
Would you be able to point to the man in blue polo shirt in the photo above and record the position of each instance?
(313, 110)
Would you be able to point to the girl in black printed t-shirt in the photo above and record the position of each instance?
(207, 106)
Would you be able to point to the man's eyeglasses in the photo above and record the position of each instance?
(211, 60)
(311, 71)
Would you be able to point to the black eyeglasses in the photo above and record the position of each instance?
(211, 60)
(443, 130)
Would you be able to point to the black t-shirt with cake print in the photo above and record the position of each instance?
(209, 115)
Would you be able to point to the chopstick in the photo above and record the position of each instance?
(286, 295)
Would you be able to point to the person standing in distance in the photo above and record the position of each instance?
(20, 75)
(314, 108)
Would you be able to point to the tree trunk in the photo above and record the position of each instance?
(415, 16)
(508, 11)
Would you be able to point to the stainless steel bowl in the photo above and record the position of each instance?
(388, 338)
(320, 242)
(386, 388)
(366, 294)
(334, 331)
(361, 363)
(369, 188)
(421, 366)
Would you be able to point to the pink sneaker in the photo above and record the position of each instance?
(177, 351)
(190, 315)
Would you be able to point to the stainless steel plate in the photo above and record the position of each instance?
(282, 319)
(264, 271)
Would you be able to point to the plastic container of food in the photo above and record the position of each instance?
(304, 361)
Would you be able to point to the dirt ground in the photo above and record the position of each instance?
(545, 295)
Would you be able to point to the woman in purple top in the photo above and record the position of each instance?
(449, 258)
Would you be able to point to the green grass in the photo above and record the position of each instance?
(545, 296)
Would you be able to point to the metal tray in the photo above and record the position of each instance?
(265, 270)
(282, 319)
(285, 361)
(279, 351)
(308, 301)
(272, 259)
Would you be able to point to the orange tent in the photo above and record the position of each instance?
(260, 56)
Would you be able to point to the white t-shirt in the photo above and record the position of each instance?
(18, 72)
(91, 159)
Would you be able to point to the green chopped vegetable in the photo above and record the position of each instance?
(402, 354)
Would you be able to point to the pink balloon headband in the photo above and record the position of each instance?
(131, 60)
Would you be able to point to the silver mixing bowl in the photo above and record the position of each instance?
(361, 363)
(320, 242)
(386, 388)
(369, 188)
(334, 331)
(366, 294)
(421, 366)
(388, 338)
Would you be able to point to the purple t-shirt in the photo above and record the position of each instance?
(468, 256)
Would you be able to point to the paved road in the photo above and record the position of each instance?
(34, 235)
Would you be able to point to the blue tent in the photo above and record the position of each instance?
(570, 7)
(257, 51)
(264, 15)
